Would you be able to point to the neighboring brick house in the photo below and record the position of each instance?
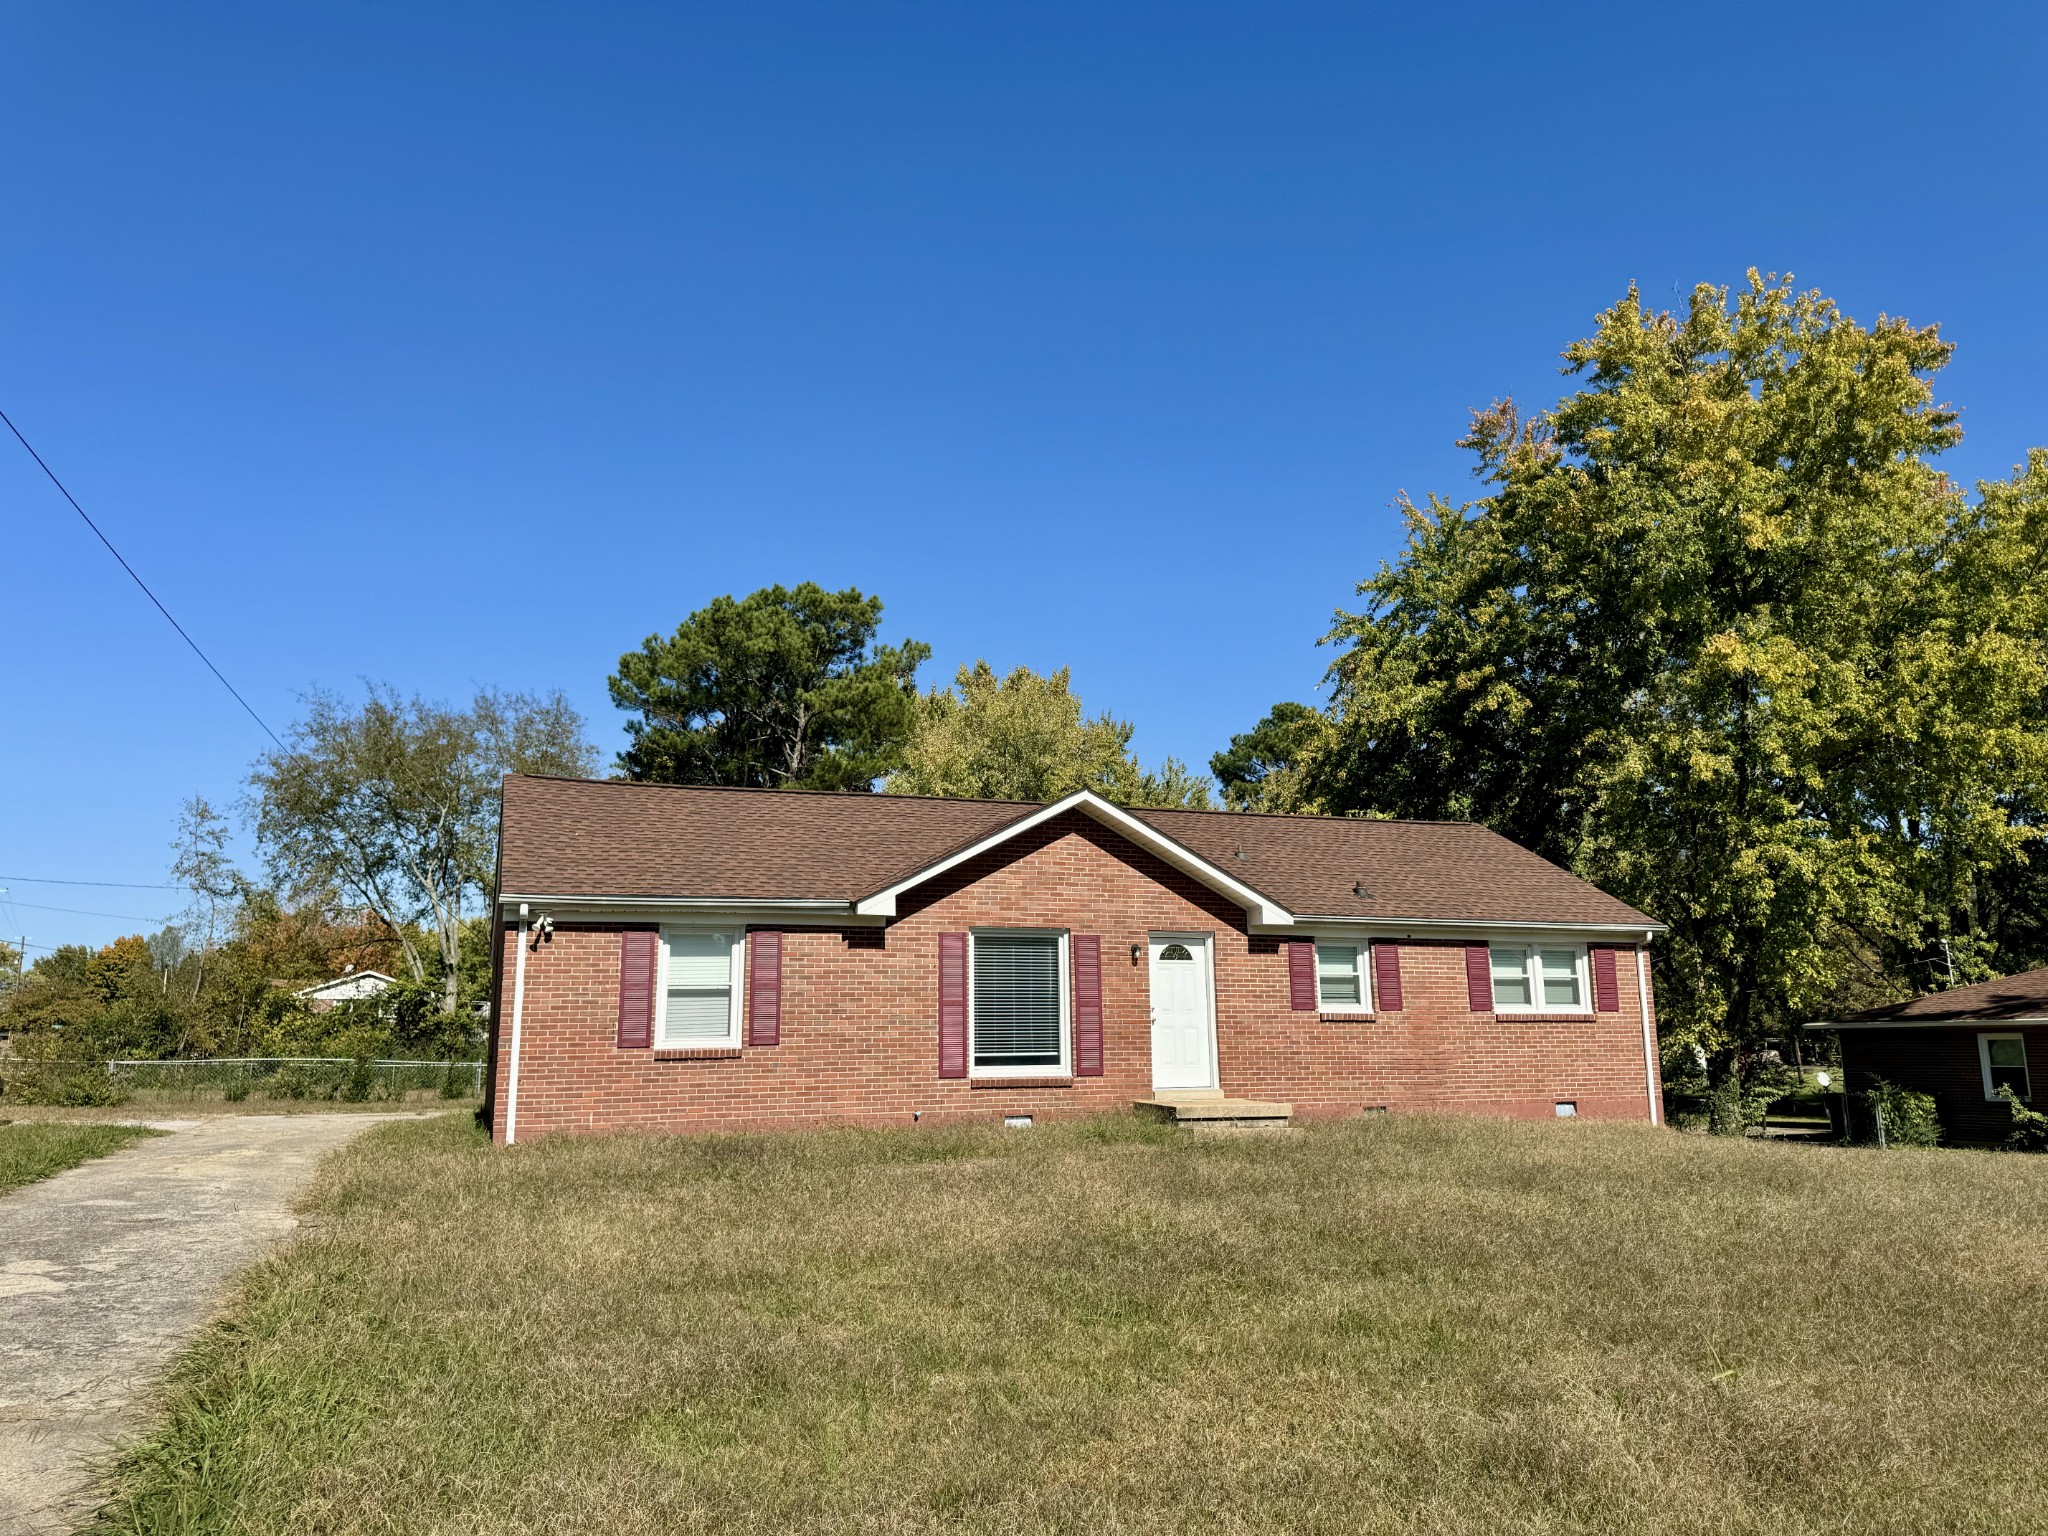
(1959, 1046)
(675, 958)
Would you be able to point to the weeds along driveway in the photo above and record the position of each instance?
(107, 1268)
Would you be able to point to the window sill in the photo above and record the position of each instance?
(1345, 1016)
(700, 1053)
(1545, 1016)
(1020, 1082)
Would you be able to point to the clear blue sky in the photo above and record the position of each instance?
(452, 345)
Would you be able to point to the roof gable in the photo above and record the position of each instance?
(1261, 908)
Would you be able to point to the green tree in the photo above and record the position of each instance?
(1024, 737)
(84, 1004)
(1721, 638)
(394, 805)
(1997, 913)
(781, 689)
(1260, 768)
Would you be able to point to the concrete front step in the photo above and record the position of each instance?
(1211, 1111)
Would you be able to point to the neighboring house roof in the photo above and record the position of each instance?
(2008, 1000)
(354, 984)
(592, 839)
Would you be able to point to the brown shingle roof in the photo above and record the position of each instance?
(583, 837)
(1445, 871)
(2024, 996)
(578, 837)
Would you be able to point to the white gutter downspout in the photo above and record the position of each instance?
(518, 1017)
(1642, 1001)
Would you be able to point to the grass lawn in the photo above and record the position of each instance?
(1394, 1325)
(35, 1151)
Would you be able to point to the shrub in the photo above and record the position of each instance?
(2029, 1126)
(360, 1082)
(73, 1086)
(1908, 1118)
(293, 1082)
(1739, 1104)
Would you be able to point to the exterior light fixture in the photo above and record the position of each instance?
(1136, 951)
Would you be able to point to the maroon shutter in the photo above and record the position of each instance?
(1478, 979)
(952, 1005)
(1386, 978)
(764, 989)
(1301, 975)
(1606, 990)
(1087, 1005)
(636, 989)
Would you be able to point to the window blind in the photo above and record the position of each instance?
(1016, 999)
(1511, 978)
(1337, 974)
(699, 1002)
(1561, 978)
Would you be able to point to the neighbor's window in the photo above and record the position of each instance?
(700, 988)
(1339, 981)
(1537, 976)
(1017, 1022)
(2004, 1059)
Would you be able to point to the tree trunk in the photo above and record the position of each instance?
(451, 965)
(1724, 1067)
(448, 924)
(413, 962)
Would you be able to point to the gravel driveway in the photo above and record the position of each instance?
(106, 1269)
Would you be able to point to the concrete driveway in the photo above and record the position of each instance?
(106, 1269)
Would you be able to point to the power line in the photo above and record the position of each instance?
(126, 917)
(160, 608)
(122, 885)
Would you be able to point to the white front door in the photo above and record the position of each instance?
(1183, 1022)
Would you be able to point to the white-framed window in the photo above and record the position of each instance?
(2004, 1060)
(1540, 978)
(1341, 982)
(1017, 1003)
(701, 976)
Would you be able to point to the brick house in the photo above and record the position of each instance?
(1959, 1046)
(677, 958)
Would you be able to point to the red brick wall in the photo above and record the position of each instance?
(860, 1018)
(1944, 1063)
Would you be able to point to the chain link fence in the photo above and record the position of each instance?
(299, 1077)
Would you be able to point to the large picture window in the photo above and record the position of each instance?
(1541, 978)
(700, 988)
(1017, 1021)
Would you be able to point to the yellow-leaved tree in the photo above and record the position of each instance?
(1024, 737)
(1722, 638)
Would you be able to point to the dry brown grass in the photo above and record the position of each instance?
(1398, 1325)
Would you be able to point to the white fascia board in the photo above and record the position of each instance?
(1447, 928)
(813, 911)
(353, 978)
(1262, 909)
(1984, 1026)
